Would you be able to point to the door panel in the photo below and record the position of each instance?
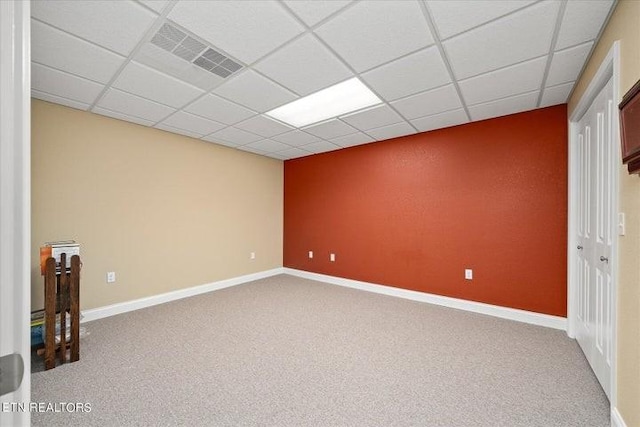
(594, 235)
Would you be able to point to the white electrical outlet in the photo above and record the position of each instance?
(468, 274)
(332, 257)
(252, 255)
(310, 254)
(111, 277)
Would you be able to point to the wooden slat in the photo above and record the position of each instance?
(63, 291)
(74, 294)
(50, 313)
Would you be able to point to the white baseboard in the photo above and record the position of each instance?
(124, 307)
(616, 418)
(524, 316)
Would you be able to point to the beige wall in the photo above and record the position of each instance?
(624, 25)
(163, 211)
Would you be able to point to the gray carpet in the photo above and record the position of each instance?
(285, 351)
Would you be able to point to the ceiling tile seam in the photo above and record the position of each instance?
(68, 72)
(552, 47)
(515, 64)
(573, 46)
(323, 20)
(227, 127)
(75, 36)
(153, 10)
(131, 116)
(311, 30)
(503, 98)
(189, 130)
(247, 69)
(560, 84)
(595, 42)
(447, 111)
(520, 9)
(266, 151)
(58, 96)
(142, 98)
(157, 23)
(436, 37)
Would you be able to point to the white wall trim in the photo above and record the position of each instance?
(539, 319)
(15, 196)
(127, 306)
(608, 69)
(616, 419)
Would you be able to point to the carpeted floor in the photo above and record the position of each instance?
(286, 351)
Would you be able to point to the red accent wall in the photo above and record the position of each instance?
(414, 212)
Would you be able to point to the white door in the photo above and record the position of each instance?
(594, 234)
(15, 288)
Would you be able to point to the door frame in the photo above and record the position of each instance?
(609, 69)
(15, 194)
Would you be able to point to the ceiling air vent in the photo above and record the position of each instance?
(188, 48)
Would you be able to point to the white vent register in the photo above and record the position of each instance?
(188, 48)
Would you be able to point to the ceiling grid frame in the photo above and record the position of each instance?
(552, 48)
(317, 16)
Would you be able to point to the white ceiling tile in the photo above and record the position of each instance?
(567, 64)
(218, 141)
(57, 49)
(59, 83)
(120, 116)
(156, 5)
(268, 146)
(234, 135)
(582, 21)
(330, 129)
(149, 83)
(172, 65)
(412, 74)
(373, 32)
(556, 94)
(455, 16)
(116, 25)
(132, 105)
(263, 126)
(442, 120)
(192, 123)
(519, 78)
(247, 30)
(358, 138)
(373, 118)
(177, 130)
(320, 147)
(219, 109)
(292, 153)
(428, 103)
(255, 92)
(59, 100)
(392, 131)
(296, 138)
(523, 35)
(312, 12)
(251, 150)
(304, 66)
(503, 107)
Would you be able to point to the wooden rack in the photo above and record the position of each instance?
(61, 295)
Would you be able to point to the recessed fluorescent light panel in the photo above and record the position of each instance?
(346, 97)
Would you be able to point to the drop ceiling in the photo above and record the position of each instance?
(434, 64)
